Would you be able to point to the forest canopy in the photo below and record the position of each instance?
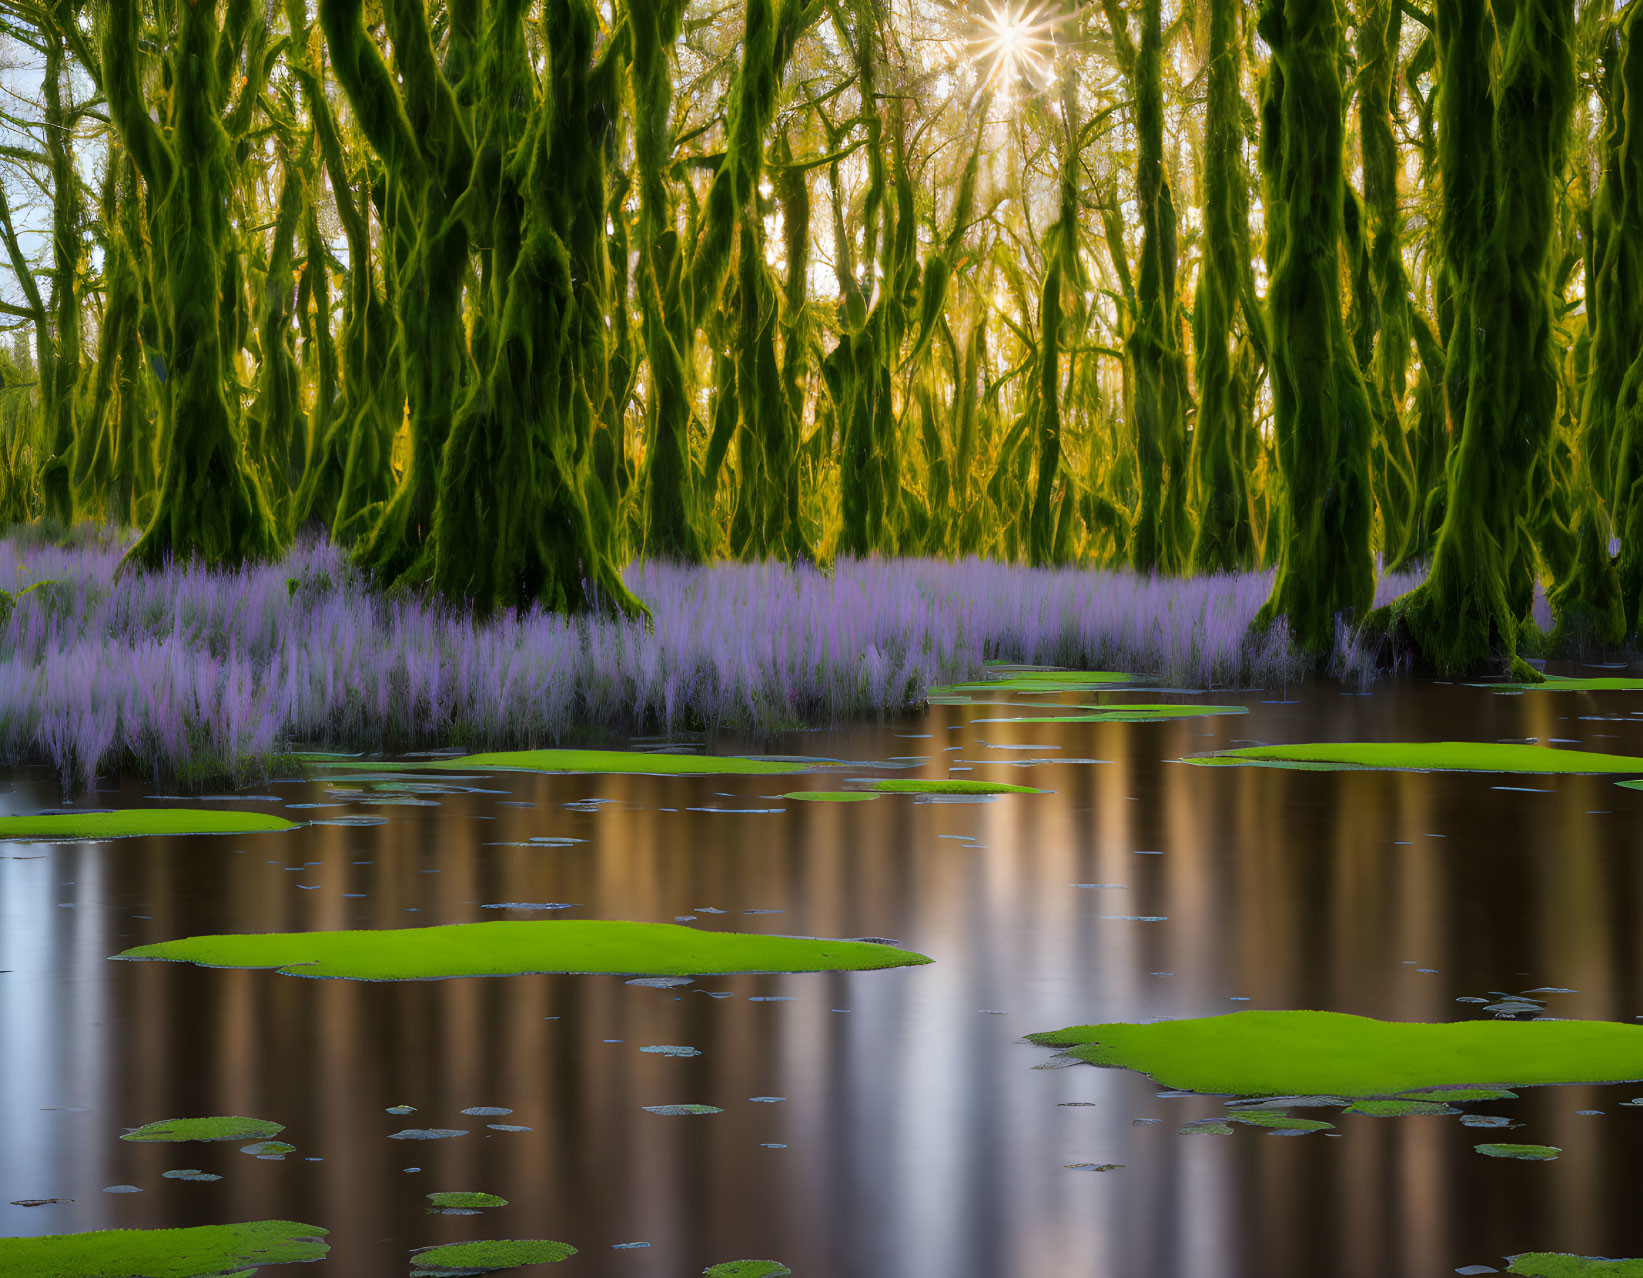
(501, 294)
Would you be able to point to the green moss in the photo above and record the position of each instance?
(1528, 1153)
(1399, 1108)
(1039, 681)
(204, 1252)
(1125, 714)
(1453, 1094)
(1426, 756)
(625, 761)
(466, 1198)
(919, 785)
(1556, 1264)
(486, 1257)
(1207, 1127)
(1277, 1120)
(510, 948)
(830, 796)
(1557, 683)
(220, 1128)
(66, 826)
(268, 1149)
(1330, 1053)
(748, 1269)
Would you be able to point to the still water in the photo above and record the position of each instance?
(912, 1135)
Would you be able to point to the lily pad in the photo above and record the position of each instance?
(670, 1049)
(1207, 1127)
(1555, 1264)
(268, 1149)
(221, 1128)
(486, 1257)
(190, 1173)
(64, 827)
(428, 1133)
(1276, 1120)
(208, 1251)
(1565, 683)
(831, 796)
(1260, 1053)
(466, 1198)
(680, 1111)
(627, 761)
(1123, 714)
(519, 947)
(748, 1269)
(1424, 756)
(1529, 1153)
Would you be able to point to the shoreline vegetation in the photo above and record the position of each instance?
(200, 675)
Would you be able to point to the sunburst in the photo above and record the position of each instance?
(1014, 43)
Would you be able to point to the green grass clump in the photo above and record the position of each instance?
(1039, 681)
(1557, 1264)
(748, 1269)
(1399, 1108)
(216, 1128)
(66, 826)
(483, 1257)
(1330, 1053)
(207, 1251)
(625, 761)
(918, 785)
(1528, 1153)
(831, 796)
(466, 1198)
(517, 948)
(1426, 756)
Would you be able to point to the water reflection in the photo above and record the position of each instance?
(915, 1138)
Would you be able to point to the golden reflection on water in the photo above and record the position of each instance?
(918, 1139)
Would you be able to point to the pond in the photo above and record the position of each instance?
(868, 1123)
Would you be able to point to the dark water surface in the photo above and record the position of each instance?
(915, 1137)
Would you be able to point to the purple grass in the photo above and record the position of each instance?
(191, 673)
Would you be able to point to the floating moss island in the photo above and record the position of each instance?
(208, 1129)
(65, 827)
(1424, 756)
(1261, 1053)
(527, 947)
(208, 1251)
(487, 1257)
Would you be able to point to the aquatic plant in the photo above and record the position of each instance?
(194, 672)
(62, 827)
(208, 1251)
(207, 1129)
(1333, 1054)
(512, 948)
(1426, 756)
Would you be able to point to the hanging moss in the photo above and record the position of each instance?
(1321, 419)
(1224, 538)
(1501, 145)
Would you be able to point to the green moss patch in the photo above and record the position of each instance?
(1528, 1153)
(1560, 683)
(1453, 1095)
(1399, 1108)
(830, 796)
(1556, 1264)
(218, 1128)
(204, 1252)
(626, 761)
(521, 947)
(1425, 756)
(1039, 681)
(1123, 714)
(487, 1257)
(1260, 1053)
(466, 1198)
(921, 785)
(748, 1269)
(62, 827)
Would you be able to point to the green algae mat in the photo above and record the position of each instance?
(1334, 1054)
(1557, 1264)
(1424, 756)
(519, 948)
(1564, 683)
(209, 1251)
(131, 822)
(748, 1269)
(1039, 681)
(487, 1257)
(831, 796)
(626, 761)
(911, 785)
(215, 1128)
(1138, 713)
